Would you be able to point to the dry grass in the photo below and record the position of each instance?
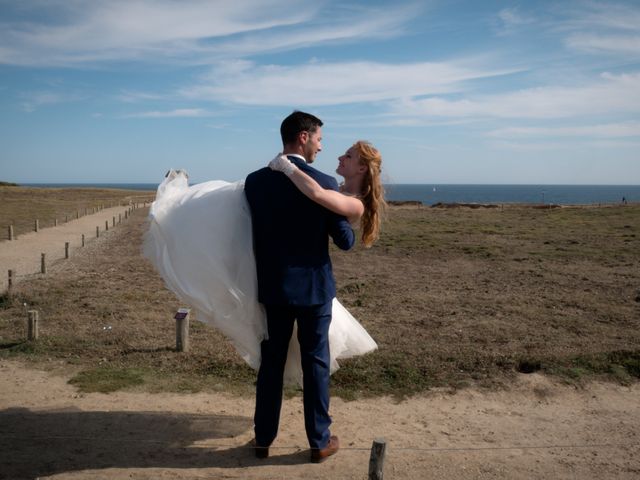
(464, 295)
(21, 206)
(453, 297)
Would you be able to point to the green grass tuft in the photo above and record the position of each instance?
(107, 379)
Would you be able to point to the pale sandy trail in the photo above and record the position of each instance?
(23, 254)
(537, 430)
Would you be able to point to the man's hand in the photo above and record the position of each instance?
(282, 164)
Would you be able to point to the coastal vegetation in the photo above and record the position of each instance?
(453, 296)
(21, 206)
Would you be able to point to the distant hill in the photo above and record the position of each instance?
(8, 184)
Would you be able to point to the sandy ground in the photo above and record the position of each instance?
(537, 429)
(23, 254)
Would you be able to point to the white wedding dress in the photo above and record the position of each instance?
(200, 241)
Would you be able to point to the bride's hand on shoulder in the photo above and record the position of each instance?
(282, 164)
(350, 207)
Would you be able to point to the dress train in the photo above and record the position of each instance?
(200, 241)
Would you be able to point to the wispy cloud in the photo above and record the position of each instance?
(621, 44)
(605, 28)
(34, 100)
(341, 83)
(568, 146)
(186, 32)
(351, 26)
(611, 130)
(88, 31)
(129, 96)
(177, 113)
(612, 15)
(611, 94)
(510, 20)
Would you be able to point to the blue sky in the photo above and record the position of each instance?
(529, 92)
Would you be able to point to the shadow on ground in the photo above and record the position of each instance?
(39, 443)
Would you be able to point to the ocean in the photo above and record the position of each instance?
(532, 194)
(440, 193)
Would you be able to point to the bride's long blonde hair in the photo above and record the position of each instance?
(372, 195)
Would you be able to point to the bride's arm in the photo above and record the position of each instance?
(350, 207)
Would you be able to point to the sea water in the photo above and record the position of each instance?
(429, 194)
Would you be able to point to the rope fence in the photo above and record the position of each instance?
(183, 321)
(134, 203)
(13, 274)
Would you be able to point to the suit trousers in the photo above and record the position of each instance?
(313, 335)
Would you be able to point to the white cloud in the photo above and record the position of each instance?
(129, 96)
(34, 100)
(555, 146)
(605, 28)
(611, 94)
(616, 16)
(511, 19)
(621, 44)
(316, 84)
(366, 24)
(89, 31)
(611, 130)
(185, 32)
(177, 113)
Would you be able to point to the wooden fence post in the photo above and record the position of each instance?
(83, 239)
(119, 218)
(10, 232)
(376, 461)
(10, 280)
(43, 264)
(97, 232)
(106, 225)
(32, 324)
(182, 329)
(37, 225)
(126, 214)
(114, 221)
(77, 214)
(66, 249)
(55, 222)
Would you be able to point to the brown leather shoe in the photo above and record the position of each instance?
(261, 452)
(319, 455)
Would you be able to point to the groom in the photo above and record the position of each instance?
(295, 284)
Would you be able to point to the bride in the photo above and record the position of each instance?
(200, 241)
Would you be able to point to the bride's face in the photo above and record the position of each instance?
(349, 164)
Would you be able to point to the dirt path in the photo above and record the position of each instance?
(538, 429)
(23, 254)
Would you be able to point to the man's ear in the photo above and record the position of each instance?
(303, 137)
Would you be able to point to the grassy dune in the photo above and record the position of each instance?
(454, 297)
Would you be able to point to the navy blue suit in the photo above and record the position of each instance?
(295, 283)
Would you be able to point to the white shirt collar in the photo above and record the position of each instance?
(297, 156)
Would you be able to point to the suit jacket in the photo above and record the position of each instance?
(290, 235)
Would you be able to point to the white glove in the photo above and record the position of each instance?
(282, 164)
